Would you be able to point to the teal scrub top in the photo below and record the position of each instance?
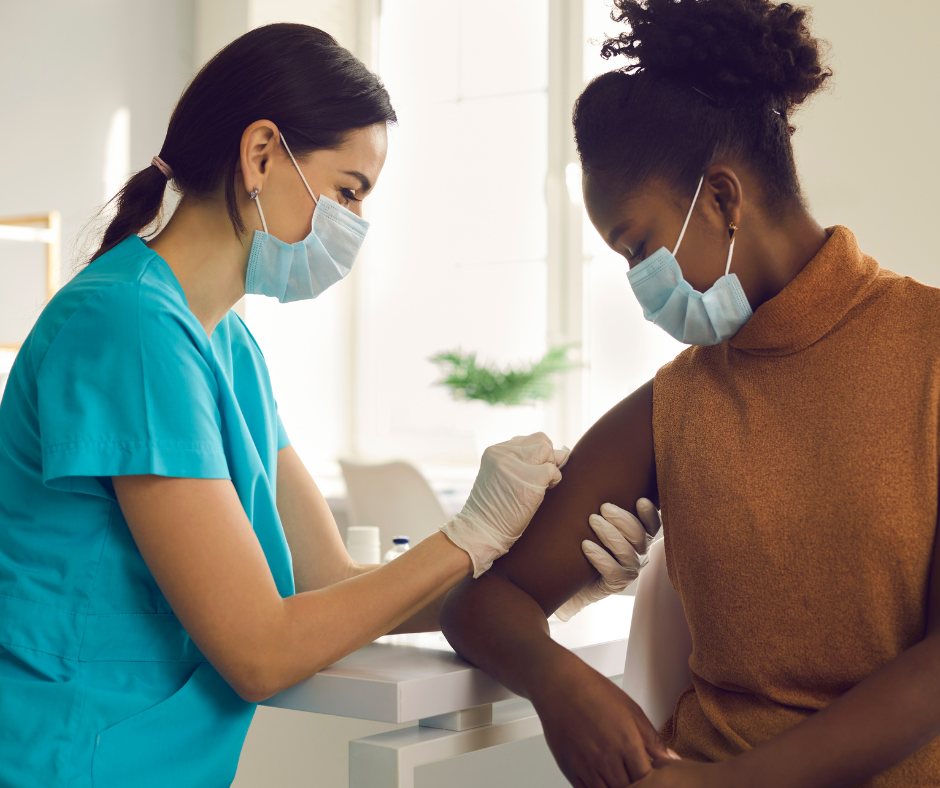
(99, 683)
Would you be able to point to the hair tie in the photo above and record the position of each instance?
(161, 165)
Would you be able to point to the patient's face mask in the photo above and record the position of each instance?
(671, 303)
(293, 272)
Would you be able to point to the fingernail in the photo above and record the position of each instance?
(673, 754)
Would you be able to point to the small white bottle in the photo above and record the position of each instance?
(401, 544)
(362, 544)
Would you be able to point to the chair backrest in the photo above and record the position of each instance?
(657, 665)
(395, 497)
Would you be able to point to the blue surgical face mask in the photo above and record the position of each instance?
(293, 272)
(671, 303)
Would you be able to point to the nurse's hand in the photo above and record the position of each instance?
(508, 489)
(628, 540)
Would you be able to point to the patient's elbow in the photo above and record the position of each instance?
(456, 613)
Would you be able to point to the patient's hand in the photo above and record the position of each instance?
(628, 540)
(687, 774)
(598, 735)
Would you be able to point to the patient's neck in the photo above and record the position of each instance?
(776, 250)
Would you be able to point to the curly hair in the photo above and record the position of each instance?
(705, 78)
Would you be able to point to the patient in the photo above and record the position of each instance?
(794, 451)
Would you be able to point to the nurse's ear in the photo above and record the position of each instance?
(258, 144)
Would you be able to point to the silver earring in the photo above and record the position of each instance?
(254, 194)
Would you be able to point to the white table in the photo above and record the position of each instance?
(419, 678)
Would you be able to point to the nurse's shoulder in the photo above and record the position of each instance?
(128, 296)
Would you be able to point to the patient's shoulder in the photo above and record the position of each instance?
(628, 419)
(673, 377)
(619, 446)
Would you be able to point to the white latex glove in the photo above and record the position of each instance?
(628, 539)
(508, 489)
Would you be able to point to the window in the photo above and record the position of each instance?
(457, 254)
(478, 241)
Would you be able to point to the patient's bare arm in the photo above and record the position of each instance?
(498, 622)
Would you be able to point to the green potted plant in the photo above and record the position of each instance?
(512, 392)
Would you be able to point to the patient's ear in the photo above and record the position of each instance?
(723, 197)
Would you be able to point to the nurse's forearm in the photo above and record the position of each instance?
(314, 629)
(880, 722)
(318, 555)
(427, 619)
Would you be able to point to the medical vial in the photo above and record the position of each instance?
(400, 545)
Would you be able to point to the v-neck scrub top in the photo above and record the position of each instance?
(100, 685)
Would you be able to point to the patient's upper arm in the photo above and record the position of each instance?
(613, 463)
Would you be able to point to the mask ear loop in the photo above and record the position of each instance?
(284, 143)
(687, 218)
(254, 198)
(734, 229)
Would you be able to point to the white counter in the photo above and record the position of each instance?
(403, 678)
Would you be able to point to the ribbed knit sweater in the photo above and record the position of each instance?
(798, 468)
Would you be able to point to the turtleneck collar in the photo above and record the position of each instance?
(834, 281)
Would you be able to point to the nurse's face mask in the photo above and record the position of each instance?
(293, 272)
(671, 303)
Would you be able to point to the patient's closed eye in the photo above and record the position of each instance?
(637, 255)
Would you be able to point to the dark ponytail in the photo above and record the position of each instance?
(708, 78)
(294, 75)
(139, 204)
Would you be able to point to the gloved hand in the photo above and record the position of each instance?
(628, 539)
(508, 489)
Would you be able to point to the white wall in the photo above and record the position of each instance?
(869, 151)
(66, 68)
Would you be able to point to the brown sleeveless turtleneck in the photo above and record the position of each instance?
(798, 469)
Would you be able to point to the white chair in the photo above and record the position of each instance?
(658, 650)
(395, 497)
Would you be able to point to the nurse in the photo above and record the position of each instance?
(166, 561)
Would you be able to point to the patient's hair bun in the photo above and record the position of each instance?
(731, 50)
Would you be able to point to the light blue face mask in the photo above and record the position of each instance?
(671, 303)
(293, 272)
